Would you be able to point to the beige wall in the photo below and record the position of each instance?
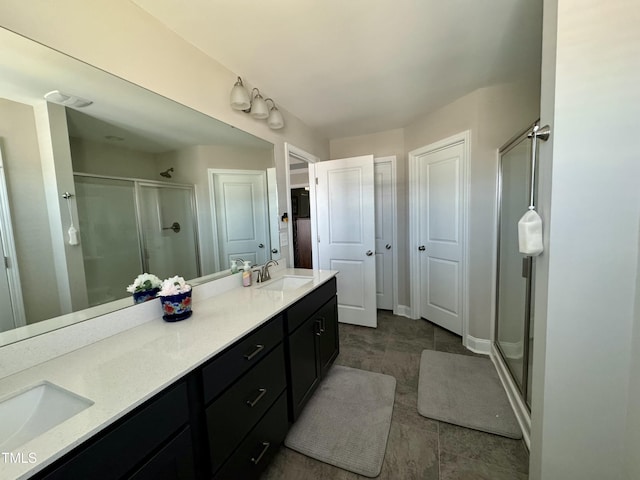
(122, 39)
(28, 206)
(493, 115)
(191, 165)
(102, 158)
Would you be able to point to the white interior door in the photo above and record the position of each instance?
(383, 184)
(241, 219)
(346, 234)
(440, 244)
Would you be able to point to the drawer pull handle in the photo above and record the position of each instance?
(262, 392)
(318, 323)
(323, 324)
(265, 446)
(258, 349)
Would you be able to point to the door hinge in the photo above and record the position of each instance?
(316, 180)
(318, 238)
(6, 262)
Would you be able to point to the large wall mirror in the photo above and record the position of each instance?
(93, 195)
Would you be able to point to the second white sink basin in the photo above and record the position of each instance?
(26, 415)
(288, 282)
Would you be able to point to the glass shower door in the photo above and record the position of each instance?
(514, 269)
(109, 236)
(168, 230)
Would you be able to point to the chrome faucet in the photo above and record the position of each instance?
(263, 271)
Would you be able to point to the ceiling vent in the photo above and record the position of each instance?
(67, 100)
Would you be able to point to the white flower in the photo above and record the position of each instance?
(144, 282)
(173, 286)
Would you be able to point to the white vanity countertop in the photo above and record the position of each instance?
(121, 372)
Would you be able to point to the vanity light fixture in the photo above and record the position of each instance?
(255, 105)
(275, 120)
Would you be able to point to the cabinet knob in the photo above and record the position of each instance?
(261, 245)
(274, 250)
(369, 253)
(422, 248)
(388, 246)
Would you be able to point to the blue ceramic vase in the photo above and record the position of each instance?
(145, 295)
(176, 307)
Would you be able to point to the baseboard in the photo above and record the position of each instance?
(402, 310)
(517, 403)
(478, 345)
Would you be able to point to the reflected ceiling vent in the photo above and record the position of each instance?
(66, 99)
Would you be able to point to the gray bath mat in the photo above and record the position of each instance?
(465, 391)
(346, 422)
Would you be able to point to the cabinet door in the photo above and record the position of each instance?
(303, 359)
(328, 340)
(173, 462)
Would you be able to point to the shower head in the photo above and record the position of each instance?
(167, 173)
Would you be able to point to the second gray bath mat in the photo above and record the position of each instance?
(465, 391)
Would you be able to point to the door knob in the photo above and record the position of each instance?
(422, 248)
(261, 245)
(388, 246)
(369, 253)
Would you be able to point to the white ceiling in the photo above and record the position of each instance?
(349, 67)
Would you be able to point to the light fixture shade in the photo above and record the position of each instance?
(275, 120)
(240, 99)
(259, 108)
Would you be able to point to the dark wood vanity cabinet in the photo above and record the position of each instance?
(226, 419)
(313, 344)
(235, 415)
(154, 441)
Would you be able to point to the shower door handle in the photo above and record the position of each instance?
(526, 267)
(175, 226)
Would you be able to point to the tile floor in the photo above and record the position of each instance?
(418, 447)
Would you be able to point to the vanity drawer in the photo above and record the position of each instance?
(236, 412)
(257, 450)
(225, 369)
(114, 454)
(304, 308)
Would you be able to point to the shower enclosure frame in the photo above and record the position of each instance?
(137, 183)
(527, 266)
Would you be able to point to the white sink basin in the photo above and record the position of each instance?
(288, 282)
(26, 415)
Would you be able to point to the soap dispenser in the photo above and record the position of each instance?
(246, 274)
(234, 266)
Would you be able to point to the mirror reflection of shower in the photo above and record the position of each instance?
(167, 173)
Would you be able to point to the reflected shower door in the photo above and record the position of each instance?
(109, 236)
(513, 287)
(168, 228)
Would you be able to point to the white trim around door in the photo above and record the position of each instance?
(394, 209)
(463, 138)
(298, 153)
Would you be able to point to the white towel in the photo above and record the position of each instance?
(530, 233)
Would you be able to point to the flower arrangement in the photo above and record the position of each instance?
(144, 282)
(173, 286)
(175, 295)
(144, 287)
